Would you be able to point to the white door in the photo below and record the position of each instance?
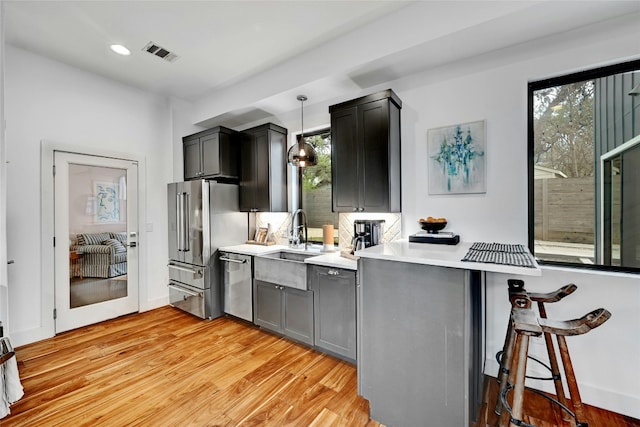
(96, 236)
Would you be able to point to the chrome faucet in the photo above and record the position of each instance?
(294, 236)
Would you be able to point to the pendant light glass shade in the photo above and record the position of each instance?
(302, 154)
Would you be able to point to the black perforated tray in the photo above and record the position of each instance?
(440, 238)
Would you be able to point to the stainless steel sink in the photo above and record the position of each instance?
(282, 268)
(290, 256)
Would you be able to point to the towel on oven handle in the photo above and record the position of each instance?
(10, 386)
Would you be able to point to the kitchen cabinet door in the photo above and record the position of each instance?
(334, 293)
(344, 160)
(191, 153)
(268, 305)
(298, 314)
(365, 154)
(211, 153)
(263, 173)
(285, 310)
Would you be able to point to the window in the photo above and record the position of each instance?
(584, 168)
(315, 191)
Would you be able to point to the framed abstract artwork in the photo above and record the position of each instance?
(456, 159)
(107, 206)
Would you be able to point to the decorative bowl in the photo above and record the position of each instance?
(432, 227)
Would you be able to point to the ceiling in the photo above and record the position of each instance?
(276, 49)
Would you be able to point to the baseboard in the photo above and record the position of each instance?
(590, 394)
(156, 303)
(28, 336)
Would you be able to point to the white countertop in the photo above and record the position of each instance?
(439, 255)
(326, 259)
(247, 249)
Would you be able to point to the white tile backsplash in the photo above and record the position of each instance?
(281, 221)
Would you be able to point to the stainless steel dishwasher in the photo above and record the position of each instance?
(238, 286)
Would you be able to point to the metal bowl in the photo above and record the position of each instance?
(432, 227)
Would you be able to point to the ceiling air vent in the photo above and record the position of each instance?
(160, 52)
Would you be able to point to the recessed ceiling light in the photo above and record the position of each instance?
(119, 49)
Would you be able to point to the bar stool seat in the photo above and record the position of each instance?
(517, 290)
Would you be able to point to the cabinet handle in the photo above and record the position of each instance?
(361, 209)
(355, 209)
(237, 261)
(333, 272)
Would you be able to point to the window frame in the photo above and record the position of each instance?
(533, 86)
(300, 171)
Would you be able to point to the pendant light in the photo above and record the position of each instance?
(302, 154)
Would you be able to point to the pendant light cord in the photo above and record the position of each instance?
(301, 98)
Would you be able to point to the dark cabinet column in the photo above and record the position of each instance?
(263, 173)
(365, 154)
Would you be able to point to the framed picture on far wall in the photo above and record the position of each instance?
(456, 159)
(107, 206)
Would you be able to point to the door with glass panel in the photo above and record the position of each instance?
(96, 237)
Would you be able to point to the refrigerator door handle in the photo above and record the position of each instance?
(179, 221)
(186, 212)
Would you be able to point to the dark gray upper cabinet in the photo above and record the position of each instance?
(211, 153)
(365, 153)
(263, 169)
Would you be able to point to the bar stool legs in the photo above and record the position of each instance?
(541, 299)
(526, 325)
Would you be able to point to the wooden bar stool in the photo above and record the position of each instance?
(524, 329)
(504, 356)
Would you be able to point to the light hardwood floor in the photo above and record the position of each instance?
(167, 368)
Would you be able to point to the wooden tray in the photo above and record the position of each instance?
(253, 242)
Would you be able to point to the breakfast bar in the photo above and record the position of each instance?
(421, 331)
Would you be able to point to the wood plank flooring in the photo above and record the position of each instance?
(167, 368)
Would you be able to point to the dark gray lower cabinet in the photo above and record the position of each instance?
(419, 345)
(334, 293)
(284, 310)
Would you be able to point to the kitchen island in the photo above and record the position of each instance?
(421, 332)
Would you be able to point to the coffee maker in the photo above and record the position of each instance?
(366, 233)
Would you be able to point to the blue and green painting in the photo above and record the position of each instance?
(456, 157)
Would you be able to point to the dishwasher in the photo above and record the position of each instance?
(238, 286)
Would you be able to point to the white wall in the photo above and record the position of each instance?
(47, 100)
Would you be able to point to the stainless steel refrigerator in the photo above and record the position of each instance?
(203, 216)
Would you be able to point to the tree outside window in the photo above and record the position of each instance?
(316, 187)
